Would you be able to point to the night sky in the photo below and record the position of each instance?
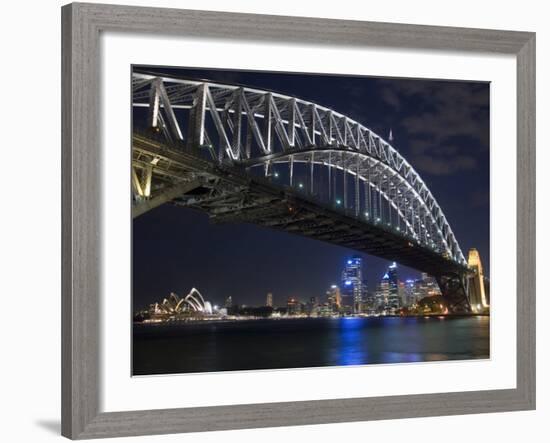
(440, 127)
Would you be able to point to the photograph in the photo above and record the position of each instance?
(274, 221)
(285, 220)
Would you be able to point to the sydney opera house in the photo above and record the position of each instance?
(192, 306)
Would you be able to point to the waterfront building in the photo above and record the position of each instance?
(370, 305)
(401, 293)
(269, 300)
(293, 306)
(353, 285)
(193, 305)
(410, 293)
(229, 302)
(334, 298)
(312, 307)
(383, 292)
(325, 310)
(393, 301)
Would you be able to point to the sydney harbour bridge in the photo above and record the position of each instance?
(245, 155)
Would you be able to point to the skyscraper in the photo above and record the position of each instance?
(390, 284)
(334, 298)
(352, 282)
(269, 300)
(293, 306)
(370, 302)
(312, 307)
(410, 293)
(401, 293)
(384, 292)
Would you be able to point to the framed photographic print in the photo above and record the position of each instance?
(274, 221)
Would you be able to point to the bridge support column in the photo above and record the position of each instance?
(454, 288)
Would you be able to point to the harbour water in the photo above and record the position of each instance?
(305, 342)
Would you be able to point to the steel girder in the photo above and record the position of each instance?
(229, 195)
(454, 287)
(263, 129)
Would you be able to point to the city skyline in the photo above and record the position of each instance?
(394, 295)
(353, 291)
(375, 270)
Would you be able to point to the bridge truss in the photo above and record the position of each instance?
(249, 155)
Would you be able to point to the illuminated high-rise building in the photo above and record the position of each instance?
(312, 307)
(401, 293)
(370, 301)
(394, 300)
(389, 290)
(477, 296)
(409, 294)
(384, 290)
(229, 302)
(392, 274)
(353, 285)
(293, 306)
(334, 298)
(269, 300)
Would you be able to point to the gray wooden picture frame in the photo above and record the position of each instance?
(81, 205)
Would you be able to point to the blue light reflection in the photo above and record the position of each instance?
(352, 351)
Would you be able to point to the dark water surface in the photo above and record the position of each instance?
(299, 343)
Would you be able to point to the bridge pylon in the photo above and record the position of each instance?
(476, 293)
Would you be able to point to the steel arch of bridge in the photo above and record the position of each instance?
(262, 130)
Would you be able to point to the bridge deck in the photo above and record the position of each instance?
(229, 194)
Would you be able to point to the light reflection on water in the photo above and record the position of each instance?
(350, 351)
(356, 336)
(299, 343)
